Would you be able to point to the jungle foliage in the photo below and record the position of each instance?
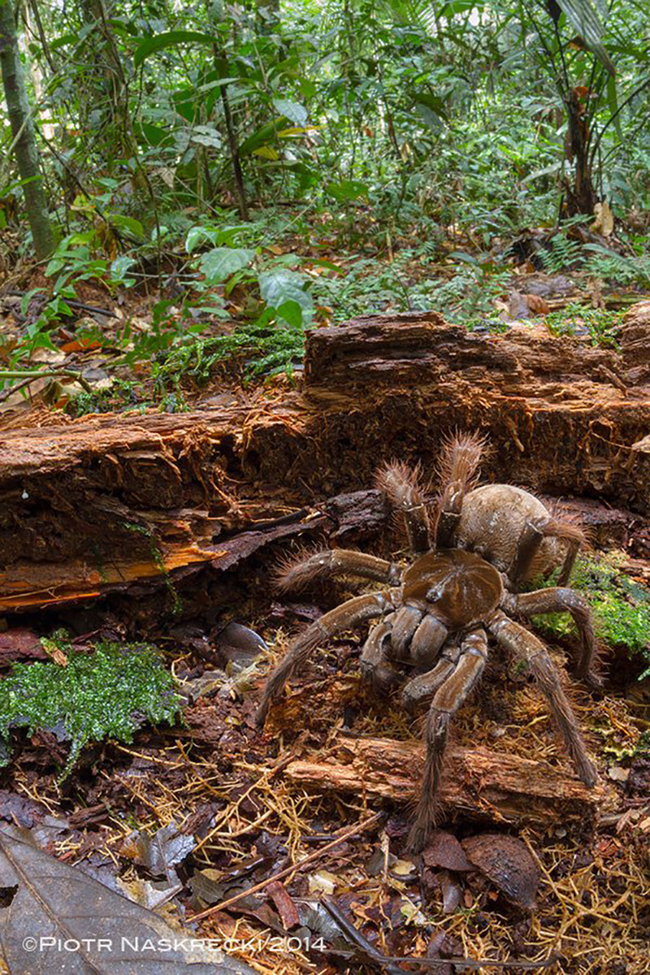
(255, 169)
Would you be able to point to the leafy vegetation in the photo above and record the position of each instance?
(109, 693)
(234, 175)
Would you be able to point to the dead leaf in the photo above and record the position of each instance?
(284, 904)
(452, 893)
(536, 304)
(444, 850)
(323, 882)
(506, 861)
(604, 222)
(161, 852)
(50, 904)
(20, 643)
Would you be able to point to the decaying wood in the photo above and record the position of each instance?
(98, 504)
(478, 783)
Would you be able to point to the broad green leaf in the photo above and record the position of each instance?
(261, 137)
(428, 116)
(219, 263)
(150, 45)
(119, 268)
(293, 111)
(127, 223)
(282, 287)
(460, 7)
(584, 18)
(347, 189)
(267, 152)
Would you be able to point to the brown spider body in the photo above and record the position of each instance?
(459, 588)
(441, 611)
(492, 520)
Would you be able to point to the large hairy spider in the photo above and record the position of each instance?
(461, 590)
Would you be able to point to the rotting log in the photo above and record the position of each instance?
(99, 504)
(478, 783)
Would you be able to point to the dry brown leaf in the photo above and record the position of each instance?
(507, 862)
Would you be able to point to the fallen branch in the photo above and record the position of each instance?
(479, 783)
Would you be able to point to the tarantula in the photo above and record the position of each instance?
(439, 613)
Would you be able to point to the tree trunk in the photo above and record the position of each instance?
(22, 128)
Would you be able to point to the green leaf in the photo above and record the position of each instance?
(293, 111)
(119, 268)
(584, 18)
(291, 311)
(262, 136)
(219, 263)
(283, 289)
(150, 45)
(347, 189)
(133, 226)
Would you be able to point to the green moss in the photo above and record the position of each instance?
(107, 694)
(621, 607)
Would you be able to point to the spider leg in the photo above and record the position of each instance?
(296, 574)
(459, 471)
(338, 620)
(425, 685)
(402, 486)
(448, 698)
(524, 645)
(559, 600)
(533, 534)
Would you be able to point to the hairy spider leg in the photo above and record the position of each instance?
(559, 600)
(526, 647)
(425, 685)
(458, 469)
(533, 534)
(297, 573)
(448, 698)
(401, 484)
(344, 617)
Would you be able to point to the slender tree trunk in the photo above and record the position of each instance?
(22, 128)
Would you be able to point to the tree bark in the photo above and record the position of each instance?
(22, 128)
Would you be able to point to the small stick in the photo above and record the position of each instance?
(391, 961)
(288, 870)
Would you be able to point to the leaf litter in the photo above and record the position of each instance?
(198, 822)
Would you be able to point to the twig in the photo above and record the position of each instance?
(289, 870)
(29, 375)
(390, 962)
(73, 304)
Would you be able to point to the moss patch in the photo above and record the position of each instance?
(621, 606)
(107, 694)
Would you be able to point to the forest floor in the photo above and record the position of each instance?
(187, 819)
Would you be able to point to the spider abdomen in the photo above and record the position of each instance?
(459, 587)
